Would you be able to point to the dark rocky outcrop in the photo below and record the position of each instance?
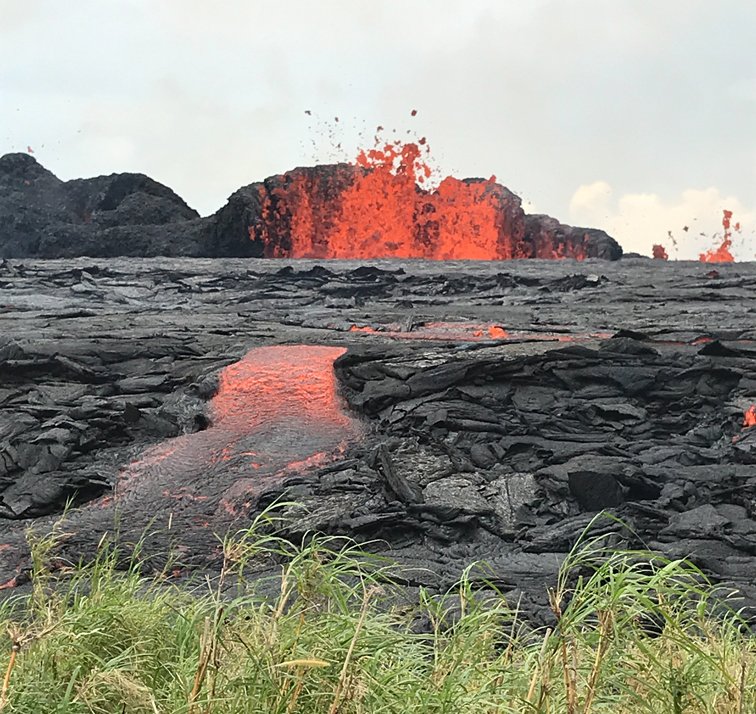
(542, 232)
(133, 215)
(120, 214)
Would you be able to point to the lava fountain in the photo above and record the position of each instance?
(722, 253)
(379, 207)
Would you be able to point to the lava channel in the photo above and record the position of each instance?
(276, 411)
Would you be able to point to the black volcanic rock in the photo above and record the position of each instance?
(31, 200)
(227, 234)
(542, 230)
(120, 214)
(126, 199)
(133, 215)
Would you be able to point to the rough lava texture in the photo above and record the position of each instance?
(120, 214)
(544, 234)
(307, 212)
(492, 413)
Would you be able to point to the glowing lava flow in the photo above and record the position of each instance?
(442, 331)
(276, 411)
(280, 384)
(749, 418)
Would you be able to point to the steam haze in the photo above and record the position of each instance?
(633, 115)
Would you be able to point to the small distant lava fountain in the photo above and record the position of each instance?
(722, 254)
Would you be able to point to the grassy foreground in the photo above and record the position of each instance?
(634, 634)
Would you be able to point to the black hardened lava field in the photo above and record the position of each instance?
(445, 412)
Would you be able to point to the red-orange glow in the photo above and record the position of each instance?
(12, 583)
(659, 252)
(442, 331)
(377, 208)
(749, 418)
(470, 332)
(271, 384)
(722, 254)
(493, 331)
(276, 411)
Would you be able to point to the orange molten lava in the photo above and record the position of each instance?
(659, 252)
(277, 410)
(380, 211)
(749, 418)
(722, 254)
(471, 332)
(442, 331)
(494, 332)
(278, 384)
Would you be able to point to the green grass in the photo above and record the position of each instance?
(633, 633)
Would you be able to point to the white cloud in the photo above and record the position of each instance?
(591, 200)
(639, 220)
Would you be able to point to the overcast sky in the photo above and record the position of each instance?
(637, 116)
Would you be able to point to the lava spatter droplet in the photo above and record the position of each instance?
(659, 252)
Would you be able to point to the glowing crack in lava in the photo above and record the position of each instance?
(722, 254)
(463, 332)
(469, 332)
(749, 418)
(276, 411)
(378, 208)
